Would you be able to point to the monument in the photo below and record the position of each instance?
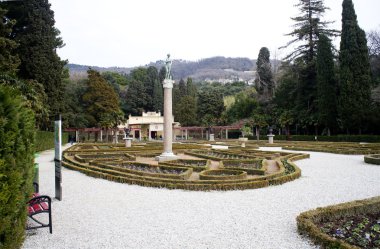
(168, 115)
(127, 139)
(270, 136)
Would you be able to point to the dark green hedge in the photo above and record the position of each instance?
(45, 140)
(306, 220)
(337, 138)
(17, 136)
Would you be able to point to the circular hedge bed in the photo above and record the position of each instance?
(372, 159)
(222, 174)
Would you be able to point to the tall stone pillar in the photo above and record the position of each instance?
(168, 123)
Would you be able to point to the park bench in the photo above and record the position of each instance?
(39, 204)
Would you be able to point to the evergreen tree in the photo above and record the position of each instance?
(210, 106)
(264, 77)
(136, 99)
(308, 28)
(187, 111)
(355, 75)
(191, 89)
(158, 96)
(38, 40)
(182, 89)
(9, 61)
(326, 84)
(100, 99)
(152, 77)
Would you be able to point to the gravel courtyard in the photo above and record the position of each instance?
(96, 213)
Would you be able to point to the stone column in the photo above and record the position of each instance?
(168, 123)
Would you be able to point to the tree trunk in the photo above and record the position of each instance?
(328, 131)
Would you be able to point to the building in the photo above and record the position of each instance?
(149, 126)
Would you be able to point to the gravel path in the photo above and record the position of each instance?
(96, 213)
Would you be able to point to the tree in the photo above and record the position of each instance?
(355, 75)
(182, 88)
(187, 111)
(308, 28)
(158, 96)
(264, 77)
(100, 99)
(326, 84)
(9, 61)
(38, 40)
(374, 54)
(191, 89)
(136, 98)
(210, 106)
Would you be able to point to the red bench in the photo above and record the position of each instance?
(37, 205)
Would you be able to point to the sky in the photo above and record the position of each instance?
(128, 33)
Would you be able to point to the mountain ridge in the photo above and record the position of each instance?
(211, 69)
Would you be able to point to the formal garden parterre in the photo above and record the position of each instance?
(199, 168)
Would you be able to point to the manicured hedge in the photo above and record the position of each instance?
(372, 159)
(45, 140)
(222, 174)
(337, 138)
(17, 139)
(113, 170)
(306, 220)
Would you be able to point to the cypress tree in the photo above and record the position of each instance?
(355, 75)
(9, 61)
(38, 40)
(264, 79)
(326, 84)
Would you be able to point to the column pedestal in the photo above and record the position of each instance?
(168, 154)
(270, 139)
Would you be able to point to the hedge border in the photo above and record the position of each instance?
(306, 220)
(230, 174)
(372, 159)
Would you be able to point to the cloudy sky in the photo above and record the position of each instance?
(135, 32)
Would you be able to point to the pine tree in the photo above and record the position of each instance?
(355, 75)
(264, 79)
(9, 61)
(326, 84)
(308, 28)
(191, 89)
(38, 40)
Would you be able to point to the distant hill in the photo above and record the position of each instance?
(209, 69)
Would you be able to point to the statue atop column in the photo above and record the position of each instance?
(168, 67)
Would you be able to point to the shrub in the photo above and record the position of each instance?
(337, 138)
(45, 140)
(16, 166)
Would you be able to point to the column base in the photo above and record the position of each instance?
(166, 156)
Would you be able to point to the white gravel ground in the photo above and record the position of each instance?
(96, 213)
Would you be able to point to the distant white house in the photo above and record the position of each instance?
(149, 126)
